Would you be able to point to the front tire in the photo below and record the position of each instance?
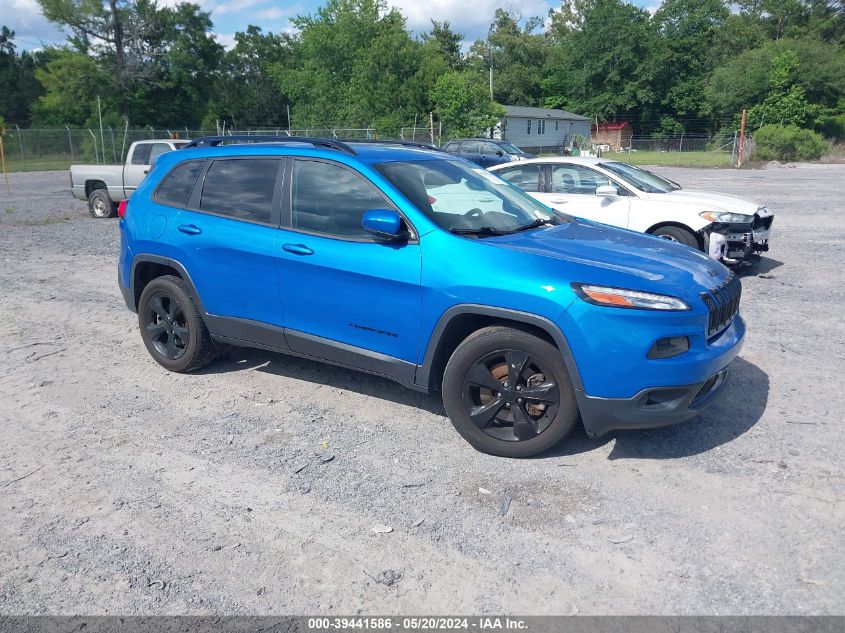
(171, 326)
(507, 392)
(100, 204)
(677, 234)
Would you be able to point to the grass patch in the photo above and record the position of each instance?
(673, 159)
(44, 221)
(41, 163)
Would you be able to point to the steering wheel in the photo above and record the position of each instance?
(474, 213)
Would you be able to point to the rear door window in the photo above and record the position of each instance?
(241, 188)
(176, 188)
(526, 177)
(156, 150)
(471, 147)
(141, 154)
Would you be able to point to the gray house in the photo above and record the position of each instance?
(540, 129)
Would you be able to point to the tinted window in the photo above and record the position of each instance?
(452, 147)
(470, 147)
(177, 185)
(241, 188)
(156, 150)
(526, 177)
(576, 179)
(141, 154)
(327, 198)
(490, 148)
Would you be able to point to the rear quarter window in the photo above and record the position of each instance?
(175, 189)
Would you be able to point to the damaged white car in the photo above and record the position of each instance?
(727, 227)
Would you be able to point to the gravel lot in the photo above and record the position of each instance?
(127, 489)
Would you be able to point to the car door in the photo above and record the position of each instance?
(225, 237)
(491, 154)
(471, 150)
(141, 160)
(527, 177)
(348, 297)
(571, 188)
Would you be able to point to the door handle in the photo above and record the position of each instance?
(558, 201)
(190, 229)
(298, 249)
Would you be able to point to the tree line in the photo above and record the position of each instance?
(691, 66)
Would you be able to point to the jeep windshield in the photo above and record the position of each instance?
(466, 199)
(642, 179)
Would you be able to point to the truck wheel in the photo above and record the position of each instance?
(677, 234)
(507, 392)
(100, 204)
(172, 327)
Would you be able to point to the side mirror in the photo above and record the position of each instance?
(385, 224)
(607, 190)
(500, 153)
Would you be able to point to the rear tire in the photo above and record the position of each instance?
(171, 326)
(100, 204)
(497, 416)
(677, 234)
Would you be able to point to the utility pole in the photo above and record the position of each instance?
(490, 61)
(741, 138)
(102, 140)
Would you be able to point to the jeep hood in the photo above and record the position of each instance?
(709, 201)
(618, 257)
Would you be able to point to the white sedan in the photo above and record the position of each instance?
(727, 227)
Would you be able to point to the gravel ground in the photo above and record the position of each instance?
(127, 489)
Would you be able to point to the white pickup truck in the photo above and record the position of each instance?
(103, 186)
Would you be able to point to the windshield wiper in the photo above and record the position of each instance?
(535, 224)
(481, 230)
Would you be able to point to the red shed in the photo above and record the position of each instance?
(617, 135)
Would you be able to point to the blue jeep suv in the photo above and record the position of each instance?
(412, 264)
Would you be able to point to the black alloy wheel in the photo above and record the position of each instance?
(510, 396)
(167, 326)
(507, 392)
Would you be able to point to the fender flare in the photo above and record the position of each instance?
(423, 375)
(164, 261)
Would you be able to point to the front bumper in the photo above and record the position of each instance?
(650, 408)
(741, 240)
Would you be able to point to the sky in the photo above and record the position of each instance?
(472, 19)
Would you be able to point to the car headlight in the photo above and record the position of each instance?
(622, 298)
(516, 157)
(726, 217)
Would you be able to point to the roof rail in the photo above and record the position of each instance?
(214, 141)
(395, 142)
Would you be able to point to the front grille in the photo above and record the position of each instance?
(722, 303)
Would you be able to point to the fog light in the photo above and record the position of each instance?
(669, 347)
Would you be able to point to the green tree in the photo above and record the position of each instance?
(153, 64)
(786, 103)
(247, 93)
(462, 102)
(20, 88)
(603, 60)
(746, 80)
(518, 55)
(687, 29)
(356, 65)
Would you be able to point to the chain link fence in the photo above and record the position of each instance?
(45, 149)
